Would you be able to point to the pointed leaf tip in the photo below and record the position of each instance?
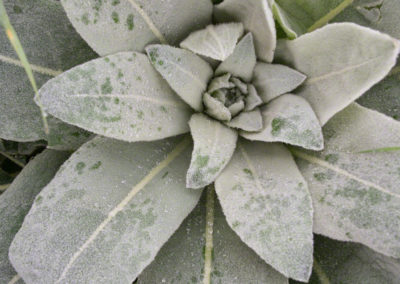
(185, 72)
(289, 119)
(257, 18)
(341, 61)
(215, 41)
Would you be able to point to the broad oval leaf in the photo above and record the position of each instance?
(242, 61)
(185, 72)
(266, 202)
(357, 195)
(16, 201)
(120, 96)
(257, 18)
(349, 263)
(214, 144)
(215, 41)
(341, 62)
(289, 119)
(113, 26)
(273, 80)
(36, 23)
(107, 212)
(183, 258)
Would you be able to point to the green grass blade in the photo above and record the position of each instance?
(332, 14)
(13, 37)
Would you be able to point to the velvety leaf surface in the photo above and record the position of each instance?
(382, 15)
(16, 201)
(120, 96)
(182, 258)
(242, 61)
(106, 197)
(357, 195)
(341, 62)
(215, 41)
(111, 26)
(257, 18)
(297, 16)
(51, 45)
(384, 97)
(273, 80)
(289, 119)
(214, 144)
(185, 72)
(216, 108)
(267, 203)
(252, 100)
(247, 121)
(349, 263)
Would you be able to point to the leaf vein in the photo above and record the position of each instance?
(139, 186)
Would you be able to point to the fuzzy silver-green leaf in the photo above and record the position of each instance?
(108, 196)
(214, 144)
(120, 96)
(266, 202)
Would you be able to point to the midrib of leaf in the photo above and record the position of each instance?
(176, 104)
(148, 21)
(191, 75)
(14, 279)
(14, 40)
(35, 68)
(139, 186)
(323, 278)
(322, 163)
(209, 234)
(330, 15)
(215, 36)
(251, 167)
(316, 79)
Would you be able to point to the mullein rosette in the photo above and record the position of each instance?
(274, 128)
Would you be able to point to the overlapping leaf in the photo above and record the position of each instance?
(267, 203)
(273, 80)
(113, 26)
(214, 144)
(18, 198)
(289, 119)
(120, 96)
(215, 41)
(183, 259)
(185, 72)
(242, 61)
(341, 62)
(106, 197)
(356, 195)
(257, 18)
